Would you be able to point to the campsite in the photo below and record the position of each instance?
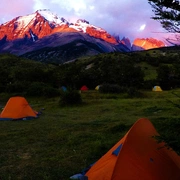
(64, 140)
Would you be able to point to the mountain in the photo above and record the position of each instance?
(67, 46)
(43, 23)
(44, 33)
(126, 42)
(146, 43)
(43, 36)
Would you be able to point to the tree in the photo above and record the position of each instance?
(164, 72)
(168, 13)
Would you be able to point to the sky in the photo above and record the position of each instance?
(124, 18)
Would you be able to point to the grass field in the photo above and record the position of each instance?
(65, 140)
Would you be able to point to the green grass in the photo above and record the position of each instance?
(65, 140)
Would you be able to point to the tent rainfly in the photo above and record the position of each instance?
(17, 108)
(84, 88)
(136, 156)
(156, 88)
(97, 87)
(63, 88)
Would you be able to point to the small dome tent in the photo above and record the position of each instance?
(156, 88)
(84, 88)
(97, 87)
(17, 108)
(63, 88)
(136, 156)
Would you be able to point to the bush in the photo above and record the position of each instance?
(35, 89)
(111, 88)
(16, 87)
(49, 91)
(70, 97)
(148, 84)
(42, 89)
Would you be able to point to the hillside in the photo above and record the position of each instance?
(141, 69)
(63, 47)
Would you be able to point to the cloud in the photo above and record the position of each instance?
(38, 4)
(142, 27)
(13, 8)
(125, 17)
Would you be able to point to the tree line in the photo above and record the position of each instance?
(18, 75)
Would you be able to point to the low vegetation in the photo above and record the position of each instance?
(70, 97)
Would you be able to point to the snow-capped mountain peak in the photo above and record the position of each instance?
(82, 25)
(43, 22)
(24, 21)
(49, 16)
(38, 24)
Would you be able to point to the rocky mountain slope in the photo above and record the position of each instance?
(70, 47)
(146, 43)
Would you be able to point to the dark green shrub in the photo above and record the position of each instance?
(70, 97)
(42, 89)
(16, 87)
(111, 88)
(49, 91)
(35, 89)
(149, 84)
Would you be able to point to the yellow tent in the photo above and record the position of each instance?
(97, 87)
(156, 88)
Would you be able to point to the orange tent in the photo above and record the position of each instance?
(17, 108)
(137, 156)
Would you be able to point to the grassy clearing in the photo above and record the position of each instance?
(65, 140)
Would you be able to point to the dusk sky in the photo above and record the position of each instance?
(126, 18)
